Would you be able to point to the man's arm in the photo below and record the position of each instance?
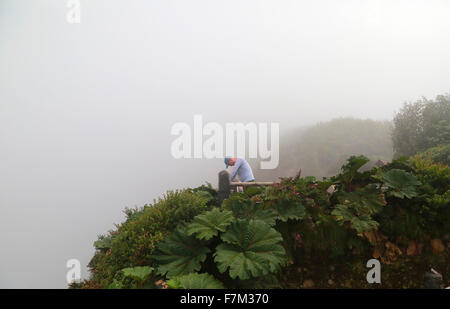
(235, 169)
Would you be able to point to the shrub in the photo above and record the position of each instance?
(133, 242)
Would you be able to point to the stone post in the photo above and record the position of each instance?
(224, 186)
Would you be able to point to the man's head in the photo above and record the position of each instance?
(230, 161)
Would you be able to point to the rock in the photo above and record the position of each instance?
(377, 252)
(412, 248)
(331, 189)
(433, 280)
(308, 284)
(381, 163)
(161, 284)
(437, 245)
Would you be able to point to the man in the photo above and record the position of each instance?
(241, 169)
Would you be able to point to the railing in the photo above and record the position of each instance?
(226, 186)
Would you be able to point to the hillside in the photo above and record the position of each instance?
(295, 234)
(320, 150)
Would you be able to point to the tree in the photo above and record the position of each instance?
(421, 125)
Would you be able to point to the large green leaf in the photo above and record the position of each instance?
(139, 273)
(289, 209)
(358, 206)
(361, 223)
(195, 281)
(244, 208)
(350, 169)
(210, 223)
(367, 200)
(401, 183)
(251, 248)
(180, 254)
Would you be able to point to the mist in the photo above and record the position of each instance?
(86, 109)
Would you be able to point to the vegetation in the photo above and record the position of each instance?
(300, 232)
(320, 150)
(422, 125)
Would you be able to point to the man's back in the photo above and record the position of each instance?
(243, 170)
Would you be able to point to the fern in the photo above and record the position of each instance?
(251, 248)
(180, 254)
(195, 281)
(210, 223)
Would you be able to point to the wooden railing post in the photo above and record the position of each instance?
(224, 186)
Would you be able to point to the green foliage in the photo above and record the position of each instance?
(350, 169)
(115, 285)
(439, 154)
(357, 207)
(103, 242)
(261, 237)
(401, 183)
(360, 222)
(180, 254)
(139, 273)
(134, 241)
(250, 249)
(320, 150)
(210, 223)
(244, 208)
(252, 191)
(195, 281)
(422, 125)
(289, 209)
(435, 177)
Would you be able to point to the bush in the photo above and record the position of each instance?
(133, 242)
(440, 154)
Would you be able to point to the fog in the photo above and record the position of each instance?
(86, 109)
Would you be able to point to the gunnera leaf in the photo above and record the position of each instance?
(251, 248)
(289, 209)
(244, 208)
(350, 169)
(210, 223)
(195, 281)
(361, 223)
(366, 200)
(354, 163)
(139, 273)
(401, 183)
(180, 254)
